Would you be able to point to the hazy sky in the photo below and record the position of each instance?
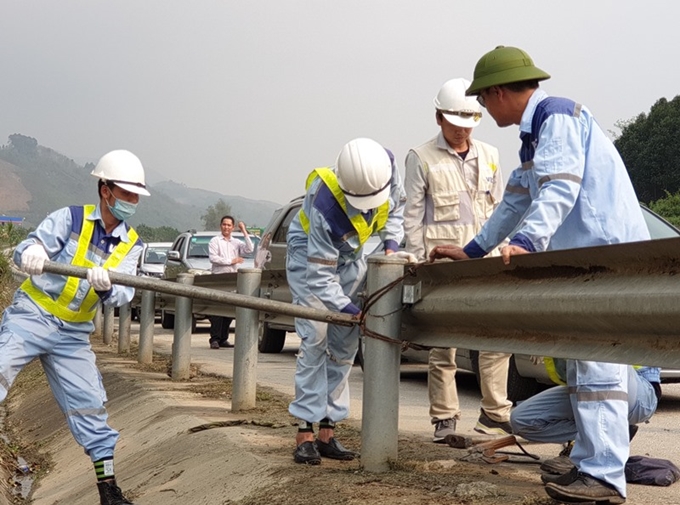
(246, 97)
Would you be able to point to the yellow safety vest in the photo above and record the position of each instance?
(363, 229)
(60, 306)
(556, 368)
(555, 371)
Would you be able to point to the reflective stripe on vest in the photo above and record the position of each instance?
(59, 307)
(363, 230)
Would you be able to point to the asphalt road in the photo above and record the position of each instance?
(659, 438)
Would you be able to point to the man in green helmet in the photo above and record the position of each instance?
(571, 190)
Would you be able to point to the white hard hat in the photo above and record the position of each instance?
(364, 172)
(458, 109)
(122, 168)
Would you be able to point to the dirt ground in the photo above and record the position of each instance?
(425, 473)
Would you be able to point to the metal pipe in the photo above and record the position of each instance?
(181, 344)
(380, 418)
(108, 323)
(98, 321)
(245, 349)
(195, 292)
(124, 324)
(147, 320)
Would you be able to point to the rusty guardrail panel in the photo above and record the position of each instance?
(618, 303)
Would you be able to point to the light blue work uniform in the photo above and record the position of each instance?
(572, 190)
(326, 269)
(549, 416)
(28, 331)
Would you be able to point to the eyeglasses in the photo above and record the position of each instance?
(463, 114)
(480, 99)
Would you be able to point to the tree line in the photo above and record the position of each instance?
(650, 147)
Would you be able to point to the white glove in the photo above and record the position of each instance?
(33, 259)
(99, 279)
(409, 257)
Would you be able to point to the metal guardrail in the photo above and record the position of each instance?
(617, 303)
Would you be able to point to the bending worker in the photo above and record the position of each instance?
(326, 269)
(51, 315)
(571, 190)
(453, 183)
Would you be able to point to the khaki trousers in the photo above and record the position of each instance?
(493, 378)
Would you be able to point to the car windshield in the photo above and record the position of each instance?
(198, 247)
(156, 255)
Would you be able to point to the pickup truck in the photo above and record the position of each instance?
(525, 377)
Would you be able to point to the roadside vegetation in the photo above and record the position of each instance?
(649, 147)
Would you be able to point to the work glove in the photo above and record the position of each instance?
(99, 279)
(409, 257)
(33, 259)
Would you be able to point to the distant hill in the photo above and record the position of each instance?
(36, 180)
(252, 212)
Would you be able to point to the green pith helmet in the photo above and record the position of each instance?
(504, 65)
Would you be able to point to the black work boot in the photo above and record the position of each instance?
(333, 449)
(307, 453)
(110, 493)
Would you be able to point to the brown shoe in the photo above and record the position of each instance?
(560, 464)
(563, 480)
(585, 489)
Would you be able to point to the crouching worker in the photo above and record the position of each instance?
(326, 268)
(51, 315)
(549, 416)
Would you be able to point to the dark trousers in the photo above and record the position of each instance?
(219, 328)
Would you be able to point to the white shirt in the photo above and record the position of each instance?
(222, 251)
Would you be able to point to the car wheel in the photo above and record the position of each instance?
(519, 387)
(167, 320)
(270, 341)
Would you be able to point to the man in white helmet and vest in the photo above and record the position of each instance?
(361, 196)
(453, 183)
(51, 315)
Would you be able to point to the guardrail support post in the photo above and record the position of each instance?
(380, 417)
(98, 320)
(147, 319)
(181, 343)
(245, 348)
(124, 323)
(108, 323)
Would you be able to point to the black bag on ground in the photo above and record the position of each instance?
(651, 471)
